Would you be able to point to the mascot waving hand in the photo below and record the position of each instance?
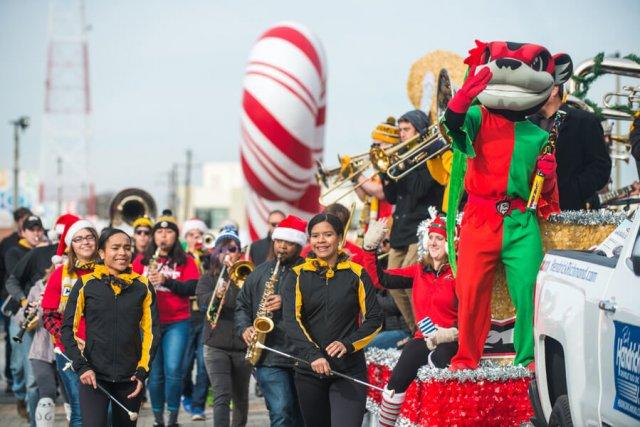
(502, 152)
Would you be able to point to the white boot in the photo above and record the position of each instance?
(67, 411)
(390, 407)
(45, 412)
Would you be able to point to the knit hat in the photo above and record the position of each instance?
(386, 132)
(417, 118)
(166, 220)
(143, 221)
(439, 226)
(228, 232)
(72, 224)
(193, 224)
(291, 229)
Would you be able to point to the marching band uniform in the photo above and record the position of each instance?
(121, 336)
(274, 372)
(323, 304)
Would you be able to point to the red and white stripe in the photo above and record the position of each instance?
(282, 123)
(390, 408)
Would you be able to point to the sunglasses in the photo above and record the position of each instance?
(385, 242)
(143, 232)
(274, 224)
(230, 249)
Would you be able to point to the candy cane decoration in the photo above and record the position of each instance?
(282, 123)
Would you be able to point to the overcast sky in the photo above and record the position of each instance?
(167, 75)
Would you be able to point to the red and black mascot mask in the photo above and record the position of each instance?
(523, 74)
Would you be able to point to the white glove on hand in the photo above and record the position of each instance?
(375, 234)
(431, 341)
(444, 335)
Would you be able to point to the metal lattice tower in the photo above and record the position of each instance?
(67, 111)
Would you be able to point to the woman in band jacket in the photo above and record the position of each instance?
(121, 326)
(174, 278)
(224, 350)
(331, 314)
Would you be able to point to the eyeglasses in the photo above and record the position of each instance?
(87, 238)
(145, 232)
(230, 249)
(385, 242)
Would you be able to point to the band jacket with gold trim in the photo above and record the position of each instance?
(323, 304)
(122, 327)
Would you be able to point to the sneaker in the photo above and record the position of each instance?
(198, 415)
(186, 403)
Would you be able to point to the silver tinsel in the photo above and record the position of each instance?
(599, 217)
(487, 370)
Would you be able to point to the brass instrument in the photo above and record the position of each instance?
(237, 273)
(208, 240)
(347, 226)
(129, 205)
(153, 262)
(263, 323)
(30, 321)
(632, 93)
(398, 160)
(363, 222)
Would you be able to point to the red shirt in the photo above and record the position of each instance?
(433, 293)
(356, 253)
(51, 301)
(171, 307)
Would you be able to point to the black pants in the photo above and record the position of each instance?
(331, 401)
(94, 404)
(414, 355)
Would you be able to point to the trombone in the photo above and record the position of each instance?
(237, 274)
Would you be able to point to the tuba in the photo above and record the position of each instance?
(263, 323)
(129, 205)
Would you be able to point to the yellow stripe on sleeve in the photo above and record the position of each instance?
(362, 295)
(79, 312)
(298, 309)
(147, 332)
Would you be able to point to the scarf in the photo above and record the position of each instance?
(69, 279)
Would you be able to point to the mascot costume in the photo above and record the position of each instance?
(498, 154)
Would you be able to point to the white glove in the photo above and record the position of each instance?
(375, 234)
(441, 336)
(444, 335)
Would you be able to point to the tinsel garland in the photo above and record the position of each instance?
(488, 370)
(582, 217)
(491, 395)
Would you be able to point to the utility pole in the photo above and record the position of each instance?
(21, 124)
(173, 184)
(187, 186)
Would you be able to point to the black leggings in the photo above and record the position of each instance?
(416, 354)
(331, 402)
(96, 403)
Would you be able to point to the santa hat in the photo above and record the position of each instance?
(193, 224)
(65, 240)
(62, 227)
(291, 229)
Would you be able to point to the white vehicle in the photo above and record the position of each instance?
(587, 337)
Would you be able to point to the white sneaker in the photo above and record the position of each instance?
(198, 417)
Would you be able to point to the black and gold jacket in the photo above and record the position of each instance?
(323, 304)
(122, 327)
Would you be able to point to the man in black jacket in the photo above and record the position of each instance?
(262, 250)
(412, 196)
(584, 165)
(19, 215)
(273, 372)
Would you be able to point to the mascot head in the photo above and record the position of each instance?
(523, 74)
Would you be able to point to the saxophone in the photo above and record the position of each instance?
(153, 262)
(263, 323)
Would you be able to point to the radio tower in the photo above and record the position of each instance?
(64, 163)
